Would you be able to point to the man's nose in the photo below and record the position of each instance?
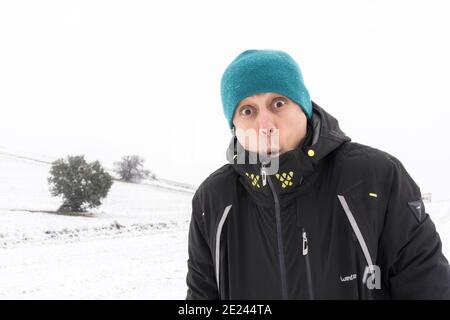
(266, 123)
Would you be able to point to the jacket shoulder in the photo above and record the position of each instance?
(364, 167)
(217, 184)
(363, 156)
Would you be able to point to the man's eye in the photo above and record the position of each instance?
(279, 103)
(246, 111)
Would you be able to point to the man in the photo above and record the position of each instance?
(309, 214)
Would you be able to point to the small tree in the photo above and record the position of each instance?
(131, 169)
(82, 185)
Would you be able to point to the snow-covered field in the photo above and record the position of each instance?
(133, 247)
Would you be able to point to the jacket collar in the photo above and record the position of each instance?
(297, 168)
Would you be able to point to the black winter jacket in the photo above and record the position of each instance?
(340, 220)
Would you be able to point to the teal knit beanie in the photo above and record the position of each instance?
(260, 71)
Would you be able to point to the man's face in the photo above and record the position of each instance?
(269, 123)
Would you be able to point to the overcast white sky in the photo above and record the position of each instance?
(109, 78)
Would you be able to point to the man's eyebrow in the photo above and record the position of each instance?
(245, 103)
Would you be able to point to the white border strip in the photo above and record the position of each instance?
(358, 233)
(219, 231)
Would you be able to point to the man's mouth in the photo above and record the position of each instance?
(273, 152)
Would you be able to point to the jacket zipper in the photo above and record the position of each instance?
(281, 259)
(305, 251)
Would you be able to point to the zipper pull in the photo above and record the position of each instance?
(305, 244)
(263, 174)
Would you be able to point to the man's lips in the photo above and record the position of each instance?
(273, 152)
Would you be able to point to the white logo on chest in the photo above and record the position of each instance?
(348, 278)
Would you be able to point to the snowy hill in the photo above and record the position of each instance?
(133, 247)
(24, 192)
